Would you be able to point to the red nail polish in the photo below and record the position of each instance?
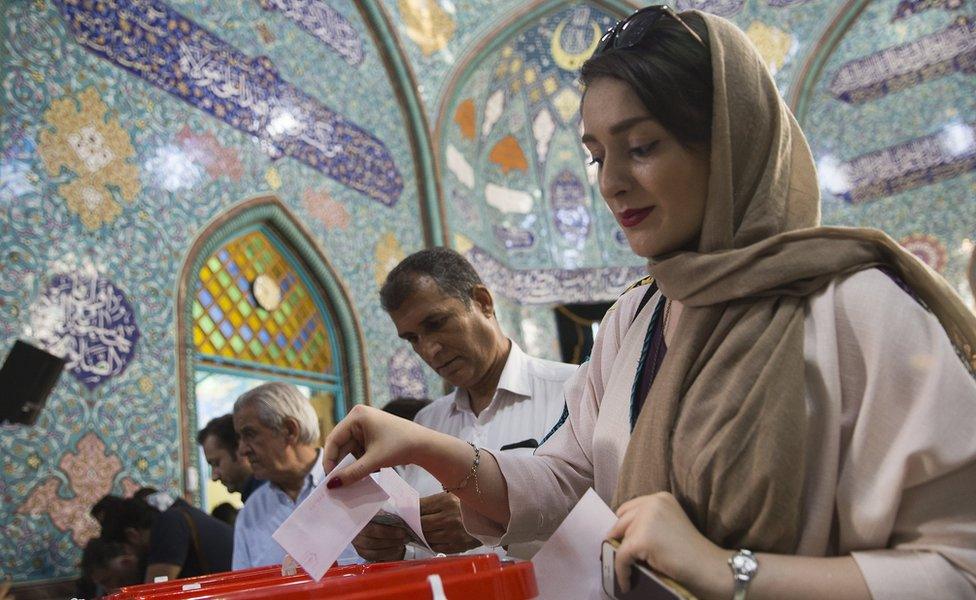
(333, 483)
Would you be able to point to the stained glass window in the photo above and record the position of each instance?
(229, 323)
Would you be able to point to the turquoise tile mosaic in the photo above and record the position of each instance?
(114, 157)
(109, 175)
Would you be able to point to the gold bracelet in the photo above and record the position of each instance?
(472, 473)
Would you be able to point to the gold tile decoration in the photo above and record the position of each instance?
(228, 323)
(96, 150)
(388, 254)
(773, 44)
(426, 24)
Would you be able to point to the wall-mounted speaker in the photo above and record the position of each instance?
(27, 378)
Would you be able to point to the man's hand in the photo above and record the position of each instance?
(380, 543)
(440, 518)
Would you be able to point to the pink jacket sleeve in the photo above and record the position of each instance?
(544, 487)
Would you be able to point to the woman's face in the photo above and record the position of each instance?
(655, 187)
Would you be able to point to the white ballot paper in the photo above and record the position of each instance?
(404, 502)
(568, 564)
(322, 526)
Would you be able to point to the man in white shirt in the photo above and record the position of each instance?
(278, 434)
(504, 399)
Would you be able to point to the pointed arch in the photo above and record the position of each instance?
(269, 222)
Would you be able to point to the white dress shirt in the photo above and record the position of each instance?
(526, 406)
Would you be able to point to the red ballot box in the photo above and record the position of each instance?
(475, 577)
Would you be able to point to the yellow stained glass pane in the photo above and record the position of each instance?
(235, 319)
(324, 405)
(225, 304)
(214, 288)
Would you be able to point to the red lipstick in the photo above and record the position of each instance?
(633, 216)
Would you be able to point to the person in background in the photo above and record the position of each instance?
(226, 512)
(219, 442)
(178, 541)
(110, 566)
(503, 399)
(278, 433)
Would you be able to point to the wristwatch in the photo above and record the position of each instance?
(744, 567)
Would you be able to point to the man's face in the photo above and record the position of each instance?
(118, 572)
(458, 341)
(225, 466)
(264, 448)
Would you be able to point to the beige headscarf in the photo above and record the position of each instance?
(725, 422)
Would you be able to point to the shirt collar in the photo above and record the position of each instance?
(514, 379)
(317, 474)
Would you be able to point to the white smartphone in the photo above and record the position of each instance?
(645, 584)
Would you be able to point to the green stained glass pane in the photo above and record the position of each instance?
(279, 317)
(290, 355)
(286, 307)
(306, 359)
(197, 310)
(245, 308)
(256, 347)
(217, 340)
(224, 279)
(206, 324)
(234, 294)
(214, 264)
(274, 351)
(237, 344)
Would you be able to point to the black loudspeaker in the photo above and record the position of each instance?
(26, 380)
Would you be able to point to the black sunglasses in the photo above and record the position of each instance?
(630, 31)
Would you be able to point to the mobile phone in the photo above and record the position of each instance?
(645, 584)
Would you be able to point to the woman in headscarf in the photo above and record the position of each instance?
(801, 392)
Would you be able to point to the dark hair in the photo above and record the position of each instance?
(105, 506)
(97, 554)
(452, 273)
(406, 408)
(222, 428)
(131, 512)
(226, 512)
(670, 72)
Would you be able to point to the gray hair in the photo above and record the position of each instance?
(452, 273)
(277, 401)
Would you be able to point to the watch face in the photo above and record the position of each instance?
(266, 292)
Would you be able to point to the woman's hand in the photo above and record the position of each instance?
(656, 530)
(377, 439)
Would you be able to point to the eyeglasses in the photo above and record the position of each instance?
(630, 31)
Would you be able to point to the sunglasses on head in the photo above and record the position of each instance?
(630, 31)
